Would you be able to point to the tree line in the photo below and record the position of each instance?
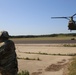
(49, 35)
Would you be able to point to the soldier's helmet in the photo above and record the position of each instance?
(4, 34)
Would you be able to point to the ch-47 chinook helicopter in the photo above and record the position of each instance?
(71, 23)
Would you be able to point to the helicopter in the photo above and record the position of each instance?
(71, 23)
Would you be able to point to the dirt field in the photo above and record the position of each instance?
(39, 59)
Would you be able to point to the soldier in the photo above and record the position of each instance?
(8, 60)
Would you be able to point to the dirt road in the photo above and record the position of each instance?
(41, 64)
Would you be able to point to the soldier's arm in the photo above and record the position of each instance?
(2, 47)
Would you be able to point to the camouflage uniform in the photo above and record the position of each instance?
(8, 60)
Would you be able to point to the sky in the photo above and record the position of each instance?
(33, 17)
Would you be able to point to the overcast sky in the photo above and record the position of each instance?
(33, 17)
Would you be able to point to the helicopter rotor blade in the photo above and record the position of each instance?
(74, 15)
(60, 17)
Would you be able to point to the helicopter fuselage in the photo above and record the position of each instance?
(72, 25)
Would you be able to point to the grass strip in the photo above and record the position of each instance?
(72, 67)
(24, 73)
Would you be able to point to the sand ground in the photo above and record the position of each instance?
(40, 64)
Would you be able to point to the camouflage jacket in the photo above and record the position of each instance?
(8, 60)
